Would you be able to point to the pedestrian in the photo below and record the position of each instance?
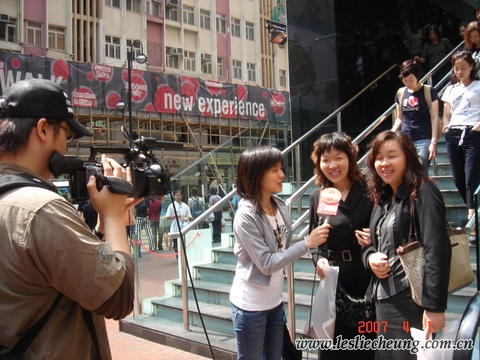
(461, 126)
(417, 112)
(263, 232)
(142, 223)
(51, 260)
(217, 223)
(154, 209)
(402, 193)
(196, 204)
(179, 216)
(335, 163)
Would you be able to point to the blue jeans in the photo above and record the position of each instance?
(465, 162)
(259, 333)
(422, 151)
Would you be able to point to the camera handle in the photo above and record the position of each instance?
(114, 184)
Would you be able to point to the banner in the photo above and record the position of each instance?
(101, 87)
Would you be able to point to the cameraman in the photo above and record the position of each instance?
(48, 252)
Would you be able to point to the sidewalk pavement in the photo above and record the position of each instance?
(154, 269)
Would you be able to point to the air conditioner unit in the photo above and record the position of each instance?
(4, 18)
(171, 3)
(177, 51)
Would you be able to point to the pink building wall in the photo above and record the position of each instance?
(223, 40)
(36, 10)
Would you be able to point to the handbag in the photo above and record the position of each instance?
(290, 352)
(351, 310)
(461, 273)
(413, 260)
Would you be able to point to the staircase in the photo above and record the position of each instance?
(212, 281)
(440, 172)
(161, 320)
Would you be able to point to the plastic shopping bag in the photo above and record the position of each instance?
(322, 319)
(449, 332)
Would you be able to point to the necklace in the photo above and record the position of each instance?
(278, 234)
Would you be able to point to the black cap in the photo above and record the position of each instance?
(40, 98)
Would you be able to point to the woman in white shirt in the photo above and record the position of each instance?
(461, 126)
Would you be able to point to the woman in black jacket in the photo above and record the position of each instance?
(396, 182)
(335, 160)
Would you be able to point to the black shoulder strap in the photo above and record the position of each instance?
(12, 181)
(9, 182)
(31, 333)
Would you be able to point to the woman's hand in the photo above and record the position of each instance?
(363, 237)
(318, 236)
(322, 265)
(433, 322)
(379, 264)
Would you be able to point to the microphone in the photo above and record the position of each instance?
(328, 203)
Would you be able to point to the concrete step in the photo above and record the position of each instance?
(444, 182)
(456, 215)
(218, 294)
(226, 256)
(443, 168)
(452, 197)
(224, 274)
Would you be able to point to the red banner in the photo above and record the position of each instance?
(101, 87)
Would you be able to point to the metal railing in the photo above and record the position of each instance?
(294, 147)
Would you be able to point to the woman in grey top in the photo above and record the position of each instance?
(263, 231)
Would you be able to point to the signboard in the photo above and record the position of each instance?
(101, 87)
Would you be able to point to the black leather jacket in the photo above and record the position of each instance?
(433, 228)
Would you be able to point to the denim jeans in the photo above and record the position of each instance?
(422, 151)
(465, 161)
(259, 333)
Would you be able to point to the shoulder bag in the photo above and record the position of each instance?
(413, 260)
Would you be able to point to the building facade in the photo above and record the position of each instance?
(213, 79)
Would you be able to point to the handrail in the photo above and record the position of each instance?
(468, 328)
(209, 154)
(297, 194)
(337, 111)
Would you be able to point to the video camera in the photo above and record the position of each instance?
(149, 177)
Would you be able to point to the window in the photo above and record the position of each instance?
(155, 8)
(205, 19)
(112, 47)
(171, 13)
(137, 48)
(56, 37)
(235, 27)
(221, 24)
(34, 33)
(173, 61)
(237, 69)
(250, 30)
(206, 63)
(283, 78)
(188, 15)
(113, 3)
(189, 60)
(8, 31)
(251, 72)
(133, 5)
(219, 66)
